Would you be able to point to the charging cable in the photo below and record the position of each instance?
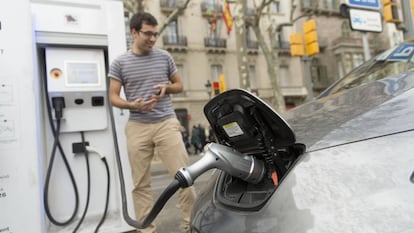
(94, 150)
(88, 192)
(58, 105)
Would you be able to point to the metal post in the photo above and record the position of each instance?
(365, 45)
(308, 77)
(208, 88)
(241, 51)
(407, 6)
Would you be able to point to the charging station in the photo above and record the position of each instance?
(54, 56)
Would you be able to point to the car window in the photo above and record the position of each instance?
(380, 67)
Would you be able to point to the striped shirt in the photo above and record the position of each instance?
(138, 74)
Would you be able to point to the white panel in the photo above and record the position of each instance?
(68, 17)
(20, 207)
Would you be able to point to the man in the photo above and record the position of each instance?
(148, 75)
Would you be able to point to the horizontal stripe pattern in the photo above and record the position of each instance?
(139, 74)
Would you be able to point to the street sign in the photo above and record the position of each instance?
(365, 4)
(365, 20)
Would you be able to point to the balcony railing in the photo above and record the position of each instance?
(175, 43)
(309, 4)
(320, 6)
(282, 45)
(334, 7)
(215, 42)
(252, 44)
(208, 9)
(174, 40)
(170, 5)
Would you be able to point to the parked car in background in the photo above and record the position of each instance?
(341, 163)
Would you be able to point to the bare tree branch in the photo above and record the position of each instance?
(259, 12)
(280, 26)
(173, 15)
(140, 5)
(264, 5)
(134, 6)
(129, 6)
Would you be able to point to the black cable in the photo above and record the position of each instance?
(107, 195)
(56, 145)
(88, 183)
(159, 204)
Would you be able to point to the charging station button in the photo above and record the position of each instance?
(97, 100)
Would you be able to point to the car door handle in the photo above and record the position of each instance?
(412, 177)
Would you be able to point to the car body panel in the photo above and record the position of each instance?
(359, 187)
(355, 114)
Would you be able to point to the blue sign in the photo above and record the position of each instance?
(367, 4)
(403, 52)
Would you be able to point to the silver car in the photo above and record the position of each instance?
(341, 163)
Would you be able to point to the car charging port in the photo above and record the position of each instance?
(239, 194)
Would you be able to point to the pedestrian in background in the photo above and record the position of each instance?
(211, 136)
(195, 139)
(186, 139)
(148, 75)
(202, 133)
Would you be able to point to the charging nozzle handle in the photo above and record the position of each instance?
(225, 158)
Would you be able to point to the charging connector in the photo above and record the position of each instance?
(58, 103)
(225, 158)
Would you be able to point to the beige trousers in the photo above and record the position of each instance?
(142, 140)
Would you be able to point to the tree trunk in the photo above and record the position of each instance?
(278, 102)
(241, 47)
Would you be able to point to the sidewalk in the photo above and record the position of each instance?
(158, 167)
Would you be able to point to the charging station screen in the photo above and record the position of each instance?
(82, 73)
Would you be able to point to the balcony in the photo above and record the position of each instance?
(168, 6)
(252, 46)
(331, 8)
(282, 47)
(208, 9)
(175, 43)
(215, 45)
(320, 7)
(309, 4)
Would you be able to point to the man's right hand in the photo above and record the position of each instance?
(143, 105)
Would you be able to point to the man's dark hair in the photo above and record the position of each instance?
(142, 18)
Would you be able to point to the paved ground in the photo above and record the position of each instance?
(169, 219)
